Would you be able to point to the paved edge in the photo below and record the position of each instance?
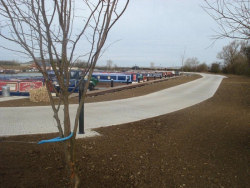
(12, 98)
(88, 132)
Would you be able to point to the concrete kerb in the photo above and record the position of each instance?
(12, 98)
(87, 134)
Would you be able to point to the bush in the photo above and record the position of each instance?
(215, 68)
(236, 57)
(39, 95)
(202, 67)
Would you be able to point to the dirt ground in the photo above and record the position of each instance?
(207, 145)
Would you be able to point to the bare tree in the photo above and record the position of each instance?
(215, 67)
(183, 58)
(230, 53)
(202, 67)
(115, 67)
(53, 30)
(109, 64)
(80, 64)
(232, 17)
(191, 64)
(235, 57)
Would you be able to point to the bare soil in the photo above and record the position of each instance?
(206, 145)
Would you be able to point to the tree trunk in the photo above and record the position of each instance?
(71, 162)
(70, 146)
(66, 114)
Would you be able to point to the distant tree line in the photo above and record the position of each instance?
(9, 63)
(234, 59)
(194, 65)
(232, 17)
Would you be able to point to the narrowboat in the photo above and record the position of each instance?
(21, 87)
(116, 77)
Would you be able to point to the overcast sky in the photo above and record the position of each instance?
(158, 31)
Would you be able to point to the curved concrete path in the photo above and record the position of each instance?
(34, 120)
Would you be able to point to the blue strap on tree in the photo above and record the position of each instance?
(57, 139)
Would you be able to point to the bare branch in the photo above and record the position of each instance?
(232, 17)
(44, 31)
